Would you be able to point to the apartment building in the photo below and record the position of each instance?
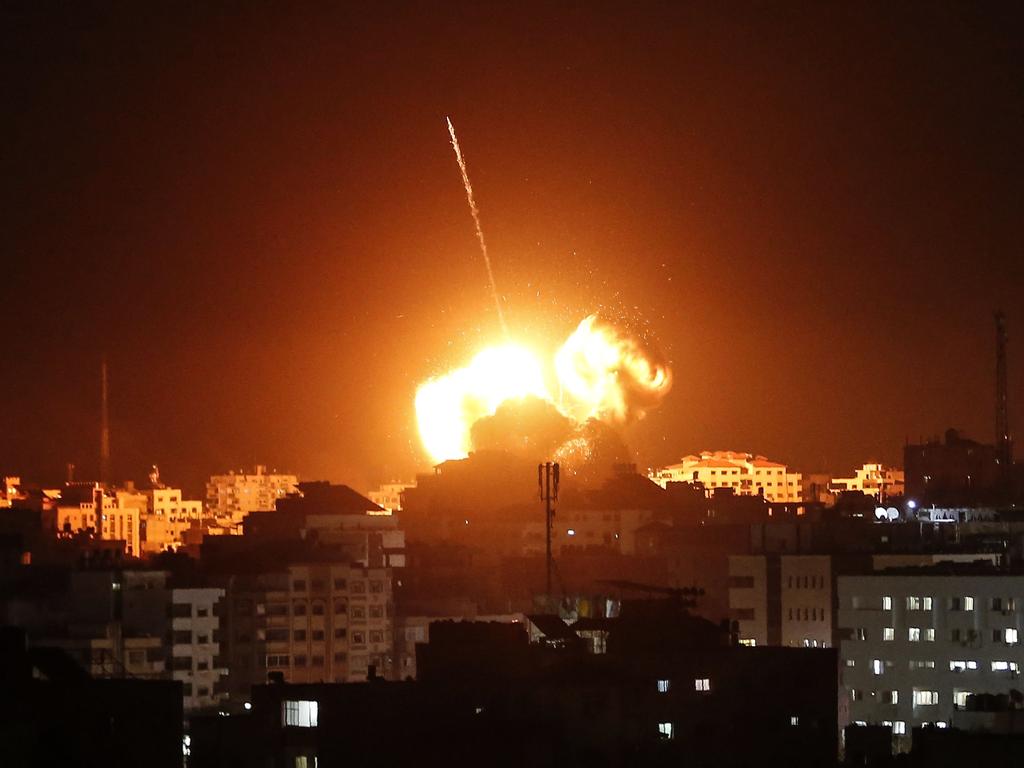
(782, 599)
(919, 641)
(744, 473)
(86, 508)
(310, 623)
(232, 496)
(875, 480)
(195, 646)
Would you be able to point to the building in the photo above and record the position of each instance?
(389, 496)
(919, 642)
(308, 623)
(782, 600)
(234, 495)
(743, 473)
(165, 516)
(873, 480)
(87, 508)
(954, 472)
(196, 660)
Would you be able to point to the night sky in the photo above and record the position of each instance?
(254, 212)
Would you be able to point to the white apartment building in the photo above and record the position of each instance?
(919, 641)
(234, 495)
(195, 646)
(782, 599)
(744, 473)
(872, 479)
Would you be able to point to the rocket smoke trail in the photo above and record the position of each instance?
(476, 220)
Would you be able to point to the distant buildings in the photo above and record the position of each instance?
(875, 480)
(88, 508)
(389, 496)
(234, 495)
(196, 661)
(743, 473)
(956, 472)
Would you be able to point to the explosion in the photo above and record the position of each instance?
(600, 374)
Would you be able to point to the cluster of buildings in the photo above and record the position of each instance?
(280, 613)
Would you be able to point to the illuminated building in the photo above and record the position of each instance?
(920, 641)
(195, 647)
(87, 508)
(872, 479)
(234, 495)
(744, 473)
(389, 496)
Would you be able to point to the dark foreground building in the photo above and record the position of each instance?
(53, 714)
(663, 694)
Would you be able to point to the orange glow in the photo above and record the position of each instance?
(600, 373)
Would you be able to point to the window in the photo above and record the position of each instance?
(926, 603)
(277, 660)
(318, 634)
(968, 603)
(299, 609)
(887, 603)
(339, 584)
(357, 587)
(960, 698)
(300, 660)
(277, 635)
(929, 635)
(376, 636)
(702, 684)
(665, 730)
(860, 633)
(376, 612)
(277, 609)
(1005, 666)
(899, 728)
(301, 714)
(358, 638)
(925, 698)
(1010, 636)
(340, 632)
(340, 606)
(664, 685)
(181, 637)
(914, 634)
(377, 586)
(877, 667)
(913, 603)
(851, 663)
(340, 656)
(890, 697)
(316, 661)
(889, 633)
(317, 609)
(794, 720)
(299, 635)
(317, 585)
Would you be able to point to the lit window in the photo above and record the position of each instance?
(570, 532)
(957, 666)
(665, 730)
(794, 720)
(1005, 666)
(914, 634)
(913, 603)
(941, 724)
(851, 663)
(748, 641)
(1011, 636)
(702, 684)
(891, 697)
(302, 714)
(926, 603)
(960, 698)
(887, 603)
(664, 685)
(968, 603)
(888, 633)
(899, 727)
(925, 698)
(877, 666)
(929, 635)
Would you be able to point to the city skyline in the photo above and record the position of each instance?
(256, 218)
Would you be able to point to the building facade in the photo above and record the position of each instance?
(743, 473)
(919, 641)
(875, 480)
(195, 646)
(234, 495)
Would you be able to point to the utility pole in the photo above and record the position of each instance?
(1003, 444)
(547, 483)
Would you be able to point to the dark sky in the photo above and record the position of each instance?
(254, 212)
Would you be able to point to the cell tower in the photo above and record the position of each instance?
(104, 425)
(1003, 444)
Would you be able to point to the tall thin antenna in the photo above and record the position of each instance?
(1003, 444)
(104, 425)
(548, 481)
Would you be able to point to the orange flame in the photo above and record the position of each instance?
(601, 373)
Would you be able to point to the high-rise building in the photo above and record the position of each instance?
(743, 473)
(195, 646)
(234, 495)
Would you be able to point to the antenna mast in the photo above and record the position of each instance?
(1003, 444)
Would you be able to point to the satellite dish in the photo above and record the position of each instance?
(880, 514)
(892, 513)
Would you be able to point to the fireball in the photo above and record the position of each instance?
(600, 374)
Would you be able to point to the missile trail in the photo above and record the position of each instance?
(476, 221)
